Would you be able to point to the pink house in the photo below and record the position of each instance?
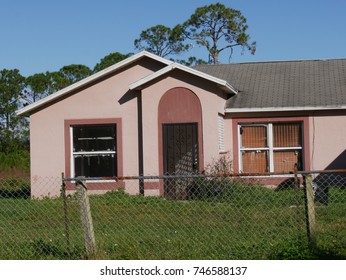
(148, 115)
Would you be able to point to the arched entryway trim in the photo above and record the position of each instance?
(180, 112)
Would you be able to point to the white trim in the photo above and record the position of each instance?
(26, 110)
(221, 132)
(71, 153)
(285, 109)
(137, 84)
(270, 143)
(240, 157)
(96, 153)
(224, 84)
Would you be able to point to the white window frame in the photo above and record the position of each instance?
(73, 153)
(270, 149)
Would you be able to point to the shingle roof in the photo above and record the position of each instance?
(287, 84)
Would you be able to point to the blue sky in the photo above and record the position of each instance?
(44, 35)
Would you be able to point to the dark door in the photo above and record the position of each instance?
(180, 156)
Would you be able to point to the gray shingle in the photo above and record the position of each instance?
(306, 83)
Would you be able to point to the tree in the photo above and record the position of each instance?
(218, 28)
(75, 72)
(38, 86)
(109, 60)
(12, 127)
(192, 61)
(162, 40)
(57, 81)
(12, 84)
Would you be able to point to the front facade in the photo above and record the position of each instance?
(149, 116)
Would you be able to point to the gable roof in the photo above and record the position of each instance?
(135, 85)
(82, 83)
(256, 87)
(221, 83)
(284, 85)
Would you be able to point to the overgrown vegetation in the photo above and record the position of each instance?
(14, 188)
(19, 160)
(244, 222)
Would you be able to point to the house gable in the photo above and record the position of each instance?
(94, 79)
(175, 66)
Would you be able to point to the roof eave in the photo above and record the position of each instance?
(35, 106)
(224, 85)
(283, 109)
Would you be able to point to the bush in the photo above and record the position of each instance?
(204, 188)
(15, 160)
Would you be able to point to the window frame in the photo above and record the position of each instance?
(269, 149)
(67, 143)
(90, 153)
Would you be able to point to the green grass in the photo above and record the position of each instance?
(241, 222)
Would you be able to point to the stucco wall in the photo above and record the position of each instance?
(212, 102)
(328, 141)
(324, 135)
(107, 99)
(111, 99)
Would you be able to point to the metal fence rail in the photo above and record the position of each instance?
(193, 217)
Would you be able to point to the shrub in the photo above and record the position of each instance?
(220, 166)
(15, 160)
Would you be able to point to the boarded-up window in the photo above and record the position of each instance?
(284, 161)
(270, 147)
(255, 161)
(287, 135)
(254, 136)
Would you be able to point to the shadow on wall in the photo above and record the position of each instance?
(338, 163)
(324, 181)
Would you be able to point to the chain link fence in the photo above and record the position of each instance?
(178, 217)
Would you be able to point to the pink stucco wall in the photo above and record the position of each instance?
(106, 99)
(328, 141)
(212, 102)
(111, 99)
(324, 135)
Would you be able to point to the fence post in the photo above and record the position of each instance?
(296, 186)
(66, 220)
(310, 211)
(299, 219)
(87, 223)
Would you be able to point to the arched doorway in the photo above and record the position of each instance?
(180, 133)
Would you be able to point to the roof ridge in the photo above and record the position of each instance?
(271, 61)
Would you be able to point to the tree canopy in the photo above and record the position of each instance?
(12, 127)
(218, 28)
(37, 86)
(214, 27)
(11, 86)
(109, 60)
(75, 72)
(162, 40)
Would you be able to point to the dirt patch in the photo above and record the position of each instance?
(18, 173)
